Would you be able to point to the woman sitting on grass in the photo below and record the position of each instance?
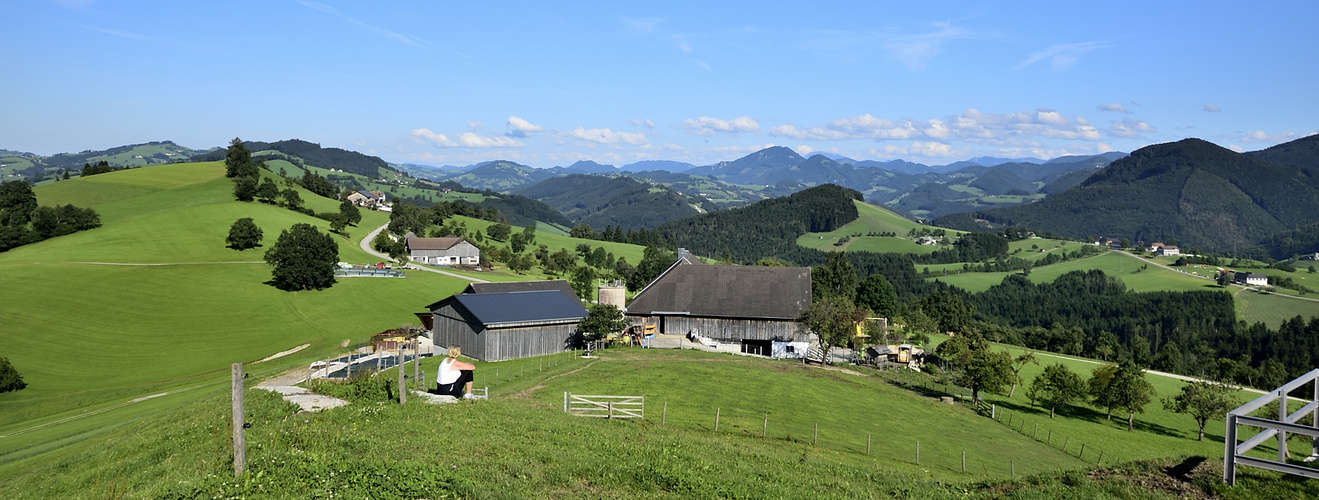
(455, 377)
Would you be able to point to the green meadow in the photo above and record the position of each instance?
(871, 219)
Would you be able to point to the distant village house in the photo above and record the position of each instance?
(368, 199)
(447, 251)
(1252, 279)
(1165, 250)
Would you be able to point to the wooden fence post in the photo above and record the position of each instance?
(1009, 420)
(765, 427)
(918, 453)
(716, 420)
(816, 439)
(611, 409)
(1050, 441)
(1036, 434)
(1013, 464)
(565, 402)
(963, 461)
(496, 375)
(402, 388)
(1100, 462)
(664, 415)
(867, 443)
(1082, 455)
(240, 457)
(416, 363)
(1066, 442)
(993, 411)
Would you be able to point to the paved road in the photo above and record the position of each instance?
(366, 247)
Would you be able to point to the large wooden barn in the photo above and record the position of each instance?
(506, 325)
(727, 303)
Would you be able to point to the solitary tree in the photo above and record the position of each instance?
(833, 320)
(292, 199)
(236, 159)
(267, 192)
(1203, 401)
(1058, 385)
(978, 368)
(304, 259)
(244, 234)
(10, 380)
(602, 320)
(499, 232)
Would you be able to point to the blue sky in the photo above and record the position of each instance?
(455, 83)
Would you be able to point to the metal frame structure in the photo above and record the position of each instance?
(1234, 453)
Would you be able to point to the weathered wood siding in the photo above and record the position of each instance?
(730, 329)
(454, 327)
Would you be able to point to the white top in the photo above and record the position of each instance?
(448, 374)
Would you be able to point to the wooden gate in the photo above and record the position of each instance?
(605, 406)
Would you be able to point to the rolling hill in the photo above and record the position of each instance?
(611, 201)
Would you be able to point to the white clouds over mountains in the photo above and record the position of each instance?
(706, 125)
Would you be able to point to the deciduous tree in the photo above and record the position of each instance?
(10, 380)
(304, 259)
(836, 278)
(833, 320)
(877, 294)
(244, 234)
(1203, 401)
(602, 320)
(1057, 386)
(977, 367)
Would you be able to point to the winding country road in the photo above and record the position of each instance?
(366, 247)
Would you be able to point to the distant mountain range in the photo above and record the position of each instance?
(1190, 192)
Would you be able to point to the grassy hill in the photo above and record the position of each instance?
(521, 445)
(153, 301)
(870, 220)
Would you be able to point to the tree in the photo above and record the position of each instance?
(1098, 388)
(350, 212)
(877, 294)
(836, 278)
(499, 232)
(602, 320)
(654, 261)
(948, 310)
(236, 159)
(291, 198)
(521, 262)
(267, 192)
(833, 320)
(245, 188)
(978, 367)
(17, 202)
(244, 234)
(583, 282)
(529, 234)
(1019, 363)
(1203, 401)
(10, 380)
(1130, 391)
(560, 262)
(517, 243)
(1058, 385)
(1106, 345)
(304, 259)
(583, 231)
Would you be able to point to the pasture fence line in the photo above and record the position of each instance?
(604, 406)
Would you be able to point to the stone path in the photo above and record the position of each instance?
(305, 399)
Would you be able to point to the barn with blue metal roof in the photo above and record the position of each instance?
(508, 325)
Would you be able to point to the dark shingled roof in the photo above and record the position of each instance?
(523, 286)
(444, 243)
(518, 308)
(727, 291)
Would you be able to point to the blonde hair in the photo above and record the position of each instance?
(455, 351)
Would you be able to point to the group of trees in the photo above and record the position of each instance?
(10, 379)
(22, 221)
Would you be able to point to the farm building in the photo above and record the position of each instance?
(506, 325)
(746, 304)
(450, 250)
(1252, 279)
(523, 286)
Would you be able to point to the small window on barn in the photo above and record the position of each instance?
(791, 350)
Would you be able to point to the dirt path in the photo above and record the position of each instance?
(526, 393)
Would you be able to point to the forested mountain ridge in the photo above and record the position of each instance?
(1193, 192)
(611, 201)
(313, 154)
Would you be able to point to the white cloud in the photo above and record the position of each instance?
(1130, 128)
(463, 140)
(916, 51)
(643, 123)
(1262, 137)
(804, 150)
(1212, 108)
(706, 125)
(521, 127)
(926, 149)
(1114, 107)
(1062, 56)
(681, 42)
(702, 64)
(1010, 128)
(606, 136)
(859, 127)
(475, 125)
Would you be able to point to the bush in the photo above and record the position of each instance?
(362, 387)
